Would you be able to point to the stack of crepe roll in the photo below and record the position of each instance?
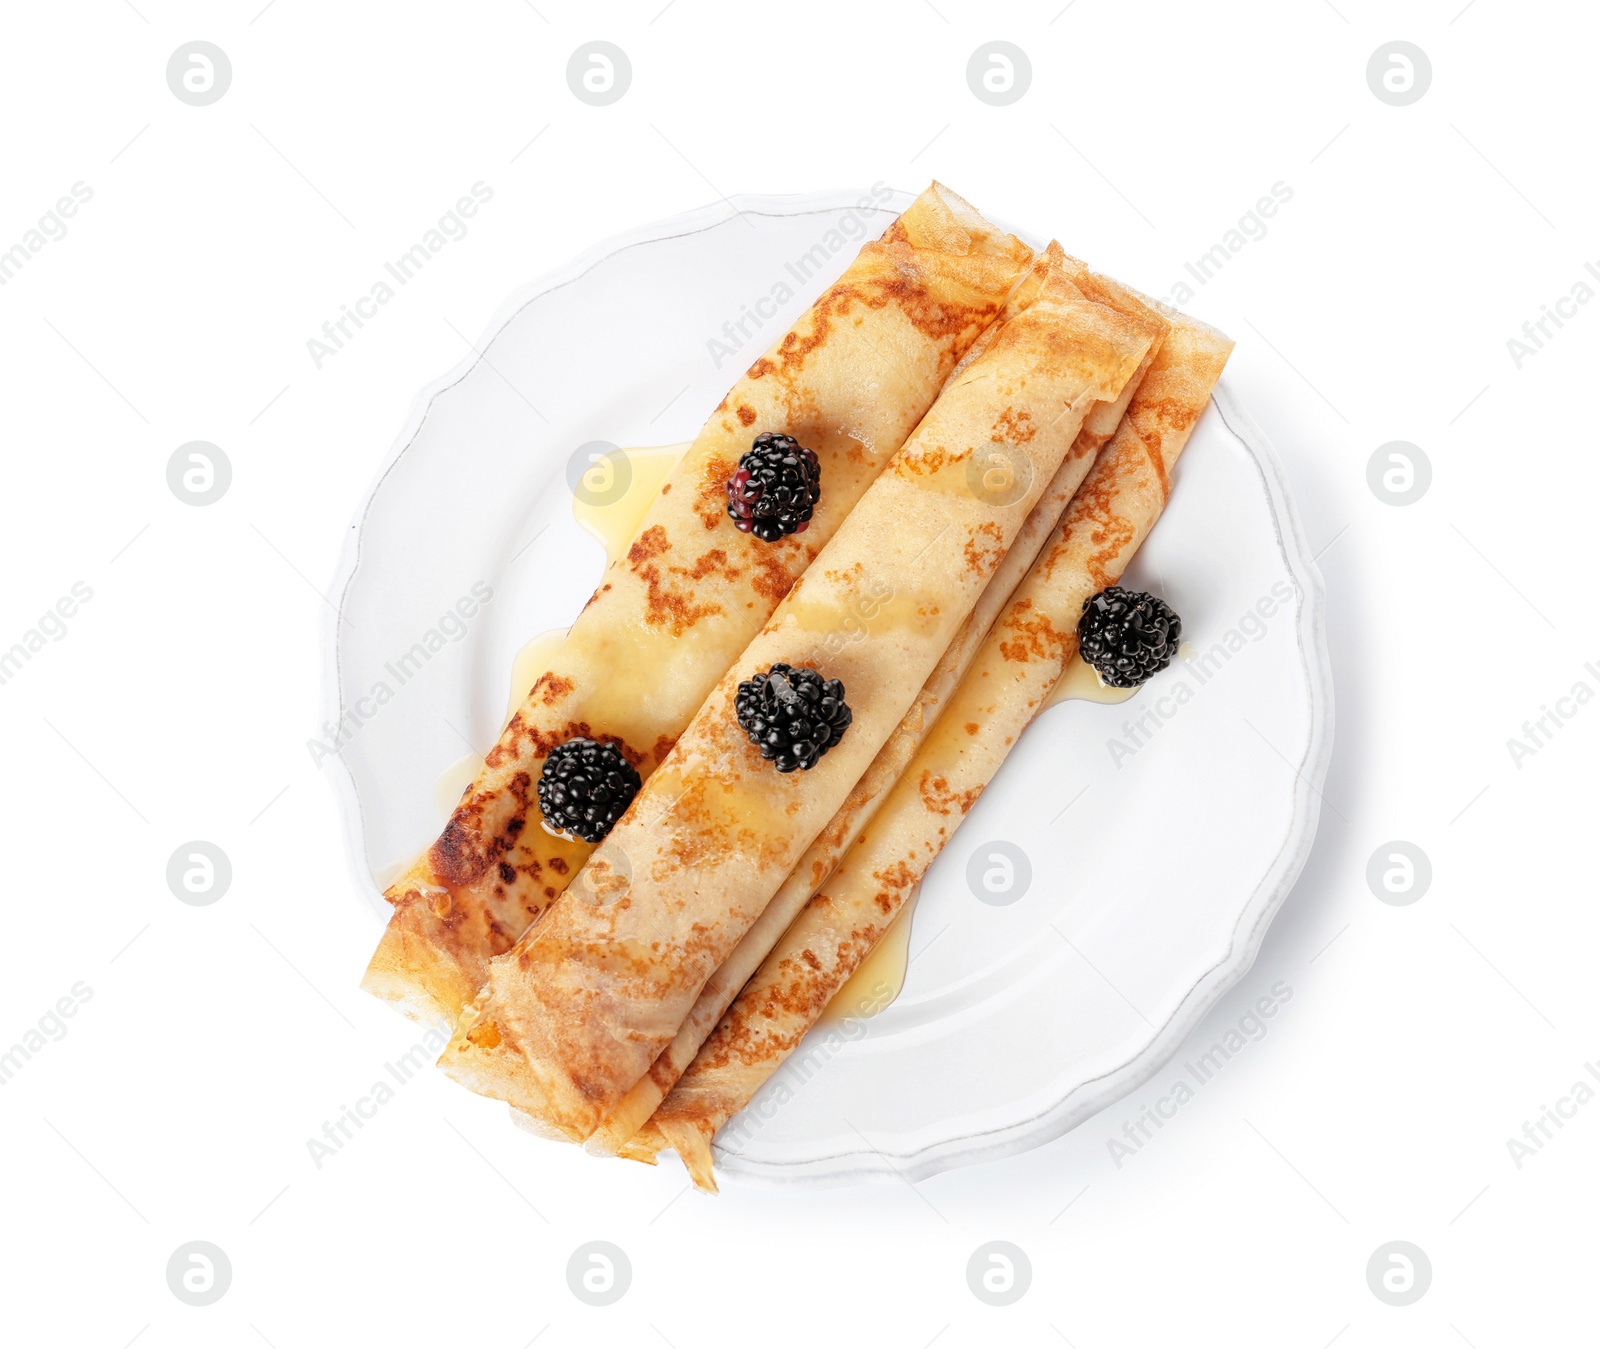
(996, 433)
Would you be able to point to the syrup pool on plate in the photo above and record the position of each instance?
(615, 522)
(880, 977)
(1080, 681)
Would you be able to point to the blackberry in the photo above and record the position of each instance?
(792, 715)
(1128, 636)
(775, 488)
(585, 787)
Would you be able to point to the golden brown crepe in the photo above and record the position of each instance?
(1011, 678)
(850, 380)
(574, 1014)
(841, 831)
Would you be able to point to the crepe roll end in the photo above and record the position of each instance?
(620, 1126)
(486, 1058)
(645, 1146)
(944, 220)
(636, 1151)
(691, 1140)
(531, 1124)
(604, 1142)
(409, 972)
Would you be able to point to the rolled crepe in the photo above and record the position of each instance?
(1019, 664)
(841, 831)
(850, 380)
(574, 1014)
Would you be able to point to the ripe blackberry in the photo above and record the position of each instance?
(775, 488)
(792, 715)
(1128, 636)
(585, 787)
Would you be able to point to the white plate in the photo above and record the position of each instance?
(1155, 869)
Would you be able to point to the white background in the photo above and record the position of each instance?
(177, 705)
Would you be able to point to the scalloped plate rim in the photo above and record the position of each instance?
(1085, 1099)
